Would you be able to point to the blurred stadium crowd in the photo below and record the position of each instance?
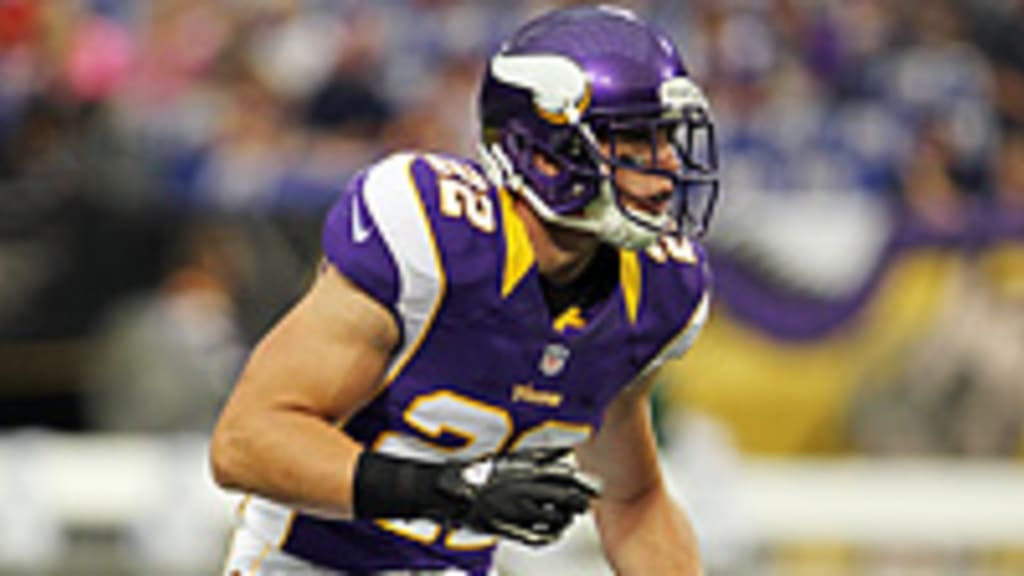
(164, 166)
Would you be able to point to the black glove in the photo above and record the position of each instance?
(531, 496)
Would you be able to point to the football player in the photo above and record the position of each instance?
(471, 324)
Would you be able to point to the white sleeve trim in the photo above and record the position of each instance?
(685, 339)
(393, 200)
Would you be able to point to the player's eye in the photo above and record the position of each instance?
(631, 159)
(633, 136)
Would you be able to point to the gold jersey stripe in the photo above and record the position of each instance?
(519, 257)
(630, 279)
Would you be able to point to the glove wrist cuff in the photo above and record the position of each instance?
(389, 487)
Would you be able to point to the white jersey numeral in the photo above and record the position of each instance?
(460, 201)
(678, 249)
(463, 193)
(473, 429)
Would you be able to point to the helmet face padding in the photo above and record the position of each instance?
(570, 86)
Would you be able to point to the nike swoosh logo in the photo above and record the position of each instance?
(360, 232)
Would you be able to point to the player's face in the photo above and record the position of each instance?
(641, 191)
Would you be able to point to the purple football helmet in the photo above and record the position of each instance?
(574, 79)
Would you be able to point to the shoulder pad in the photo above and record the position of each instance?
(377, 234)
(680, 289)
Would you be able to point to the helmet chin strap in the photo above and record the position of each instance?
(613, 226)
(602, 217)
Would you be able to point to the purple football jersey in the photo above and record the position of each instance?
(483, 367)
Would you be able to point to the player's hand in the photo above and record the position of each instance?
(531, 496)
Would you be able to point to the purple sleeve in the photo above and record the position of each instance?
(696, 280)
(352, 244)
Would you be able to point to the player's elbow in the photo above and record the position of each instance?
(227, 457)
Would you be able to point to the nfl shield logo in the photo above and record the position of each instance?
(553, 361)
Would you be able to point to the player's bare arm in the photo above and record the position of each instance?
(643, 531)
(278, 434)
(319, 365)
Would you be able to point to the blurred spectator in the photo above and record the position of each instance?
(957, 390)
(71, 188)
(931, 194)
(1010, 175)
(999, 31)
(433, 123)
(164, 361)
(241, 168)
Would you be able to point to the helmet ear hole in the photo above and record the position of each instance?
(574, 149)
